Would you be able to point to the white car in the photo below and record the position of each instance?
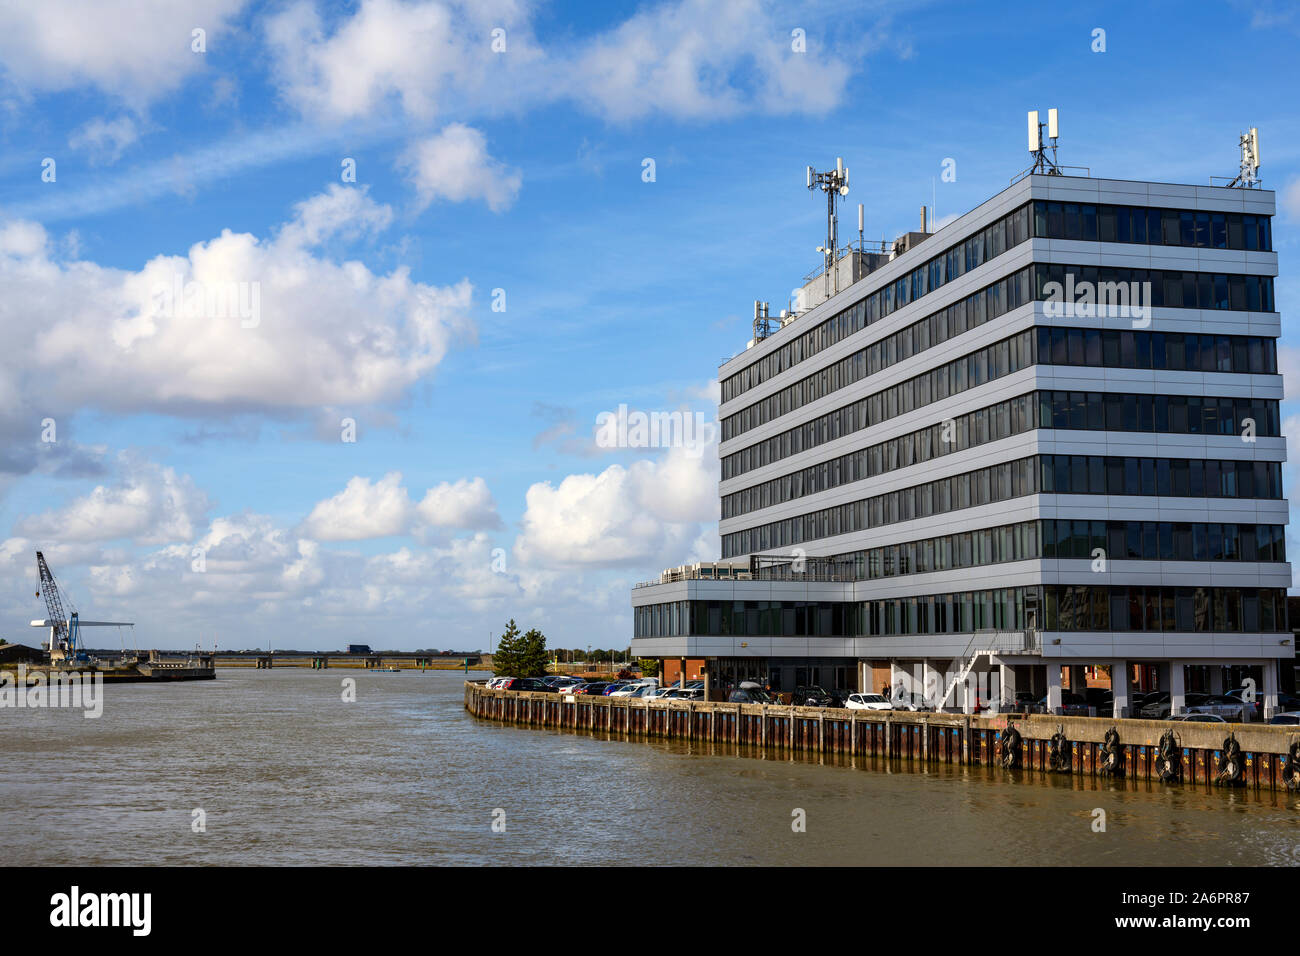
(632, 690)
(1225, 707)
(867, 702)
(681, 693)
(496, 682)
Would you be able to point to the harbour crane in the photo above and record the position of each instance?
(65, 629)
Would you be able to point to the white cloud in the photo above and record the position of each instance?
(150, 504)
(268, 325)
(1288, 365)
(702, 59)
(412, 54)
(646, 514)
(105, 140)
(455, 165)
(465, 504)
(1290, 199)
(689, 59)
(362, 510)
(134, 49)
(365, 510)
(337, 212)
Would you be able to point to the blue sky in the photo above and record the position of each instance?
(475, 491)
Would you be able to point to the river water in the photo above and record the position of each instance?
(286, 772)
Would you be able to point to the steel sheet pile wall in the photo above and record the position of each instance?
(928, 737)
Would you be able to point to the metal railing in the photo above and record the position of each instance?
(1087, 173)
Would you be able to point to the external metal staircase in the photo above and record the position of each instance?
(985, 643)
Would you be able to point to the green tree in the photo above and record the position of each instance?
(649, 666)
(505, 659)
(520, 655)
(532, 654)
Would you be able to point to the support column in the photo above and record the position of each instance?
(1177, 688)
(1119, 687)
(1078, 680)
(1216, 680)
(931, 680)
(863, 667)
(706, 675)
(1053, 688)
(1270, 688)
(1007, 692)
(897, 682)
(681, 677)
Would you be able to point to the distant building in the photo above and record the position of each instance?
(358, 648)
(20, 654)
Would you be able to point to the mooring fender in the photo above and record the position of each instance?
(1291, 769)
(1112, 754)
(1009, 745)
(1232, 765)
(1060, 757)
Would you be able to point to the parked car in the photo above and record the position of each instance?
(749, 693)
(1159, 707)
(1072, 705)
(630, 690)
(594, 688)
(1290, 717)
(617, 685)
(563, 685)
(812, 696)
(524, 684)
(1155, 706)
(1228, 708)
(682, 693)
(1099, 697)
(867, 702)
(1199, 718)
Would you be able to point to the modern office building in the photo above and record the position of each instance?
(1037, 449)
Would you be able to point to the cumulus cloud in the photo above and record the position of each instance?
(362, 510)
(647, 513)
(465, 504)
(389, 52)
(150, 504)
(455, 165)
(700, 59)
(134, 49)
(687, 59)
(238, 324)
(366, 509)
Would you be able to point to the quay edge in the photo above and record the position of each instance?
(911, 736)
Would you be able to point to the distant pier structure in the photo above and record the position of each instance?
(363, 657)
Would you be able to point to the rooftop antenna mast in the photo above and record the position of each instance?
(1248, 178)
(835, 184)
(1037, 145)
(764, 325)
